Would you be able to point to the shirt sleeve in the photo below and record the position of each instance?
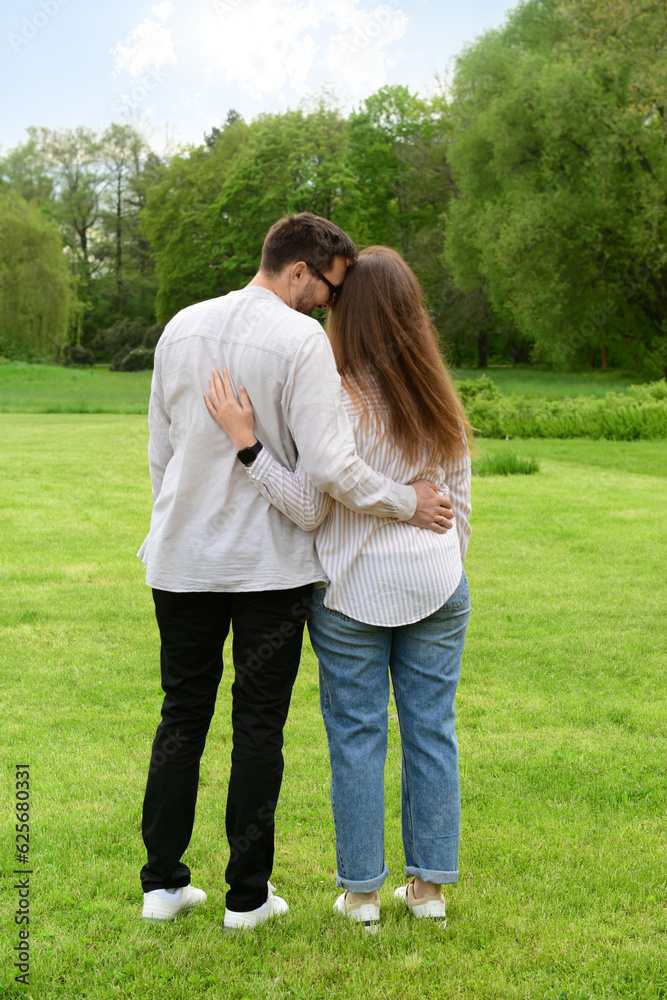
(457, 478)
(293, 493)
(159, 443)
(324, 438)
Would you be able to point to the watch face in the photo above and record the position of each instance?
(248, 455)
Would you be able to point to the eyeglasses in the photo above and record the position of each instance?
(334, 289)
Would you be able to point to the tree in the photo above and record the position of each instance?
(208, 217)
(35, 292)
(24, 171)
(122, 149)
(72, 157)
(233, 116)
(176, 222)
(558, 153)
(123, 282)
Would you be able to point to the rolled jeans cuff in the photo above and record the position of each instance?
(367, 885)
(428, 875)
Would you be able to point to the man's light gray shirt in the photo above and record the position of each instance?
(210, 530)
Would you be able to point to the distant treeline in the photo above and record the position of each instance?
(528, 196)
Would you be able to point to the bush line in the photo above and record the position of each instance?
(639, 414)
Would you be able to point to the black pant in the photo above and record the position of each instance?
(268, 632)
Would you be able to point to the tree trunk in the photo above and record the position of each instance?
(604, 357)
(119, 243)
(482, 340)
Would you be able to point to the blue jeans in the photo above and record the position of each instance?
(424, 660)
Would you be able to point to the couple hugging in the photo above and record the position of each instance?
(339, 493)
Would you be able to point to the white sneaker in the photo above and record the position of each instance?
(160, 906)
(432, 906)
(248, 919)
(365, 911)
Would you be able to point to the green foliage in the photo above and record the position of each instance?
(558, 152)
(93, 186)
(505, 463)
(641, 414)
(541, 171)
(382, 175)
(35, 292)
(208, 217)
(474, 389)
(118, 340)
(138, 360)
(646, 393)
(76, 356)
(23, 171)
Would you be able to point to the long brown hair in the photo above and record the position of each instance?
(384, 342)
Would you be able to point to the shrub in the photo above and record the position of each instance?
(654, 390)
(505, 464)
(137, 360)
(639, 414)
(474, 389)
(76, 356)
(124, 336)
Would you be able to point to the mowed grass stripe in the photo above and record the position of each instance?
(561, 723)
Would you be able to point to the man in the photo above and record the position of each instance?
(219, 554)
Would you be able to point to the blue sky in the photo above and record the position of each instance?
(176, 67)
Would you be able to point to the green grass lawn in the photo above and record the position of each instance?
(562, 726)
(530, 380)
(51, 389)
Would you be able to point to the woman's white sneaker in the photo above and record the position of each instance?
(365, 909)
(166, 904)
(430, 905)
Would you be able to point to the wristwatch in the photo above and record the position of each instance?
(248, 455)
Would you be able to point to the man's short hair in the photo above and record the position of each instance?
(304, 237)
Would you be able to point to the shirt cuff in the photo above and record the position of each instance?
(404, 499)
(261, 466)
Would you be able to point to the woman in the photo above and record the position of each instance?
(397, 595)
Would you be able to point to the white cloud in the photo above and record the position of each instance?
(192, 100)
(263, 46)
(357, 55)
(266, 47)
(149, 46)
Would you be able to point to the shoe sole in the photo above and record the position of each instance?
(239, 923)
(168, 919)
(369, 921)
(242, 926)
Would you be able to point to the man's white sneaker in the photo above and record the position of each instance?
(365, 909)
(432, 906)
(248, 919)
(163, 904)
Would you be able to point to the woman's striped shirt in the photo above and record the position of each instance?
(379, 570)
